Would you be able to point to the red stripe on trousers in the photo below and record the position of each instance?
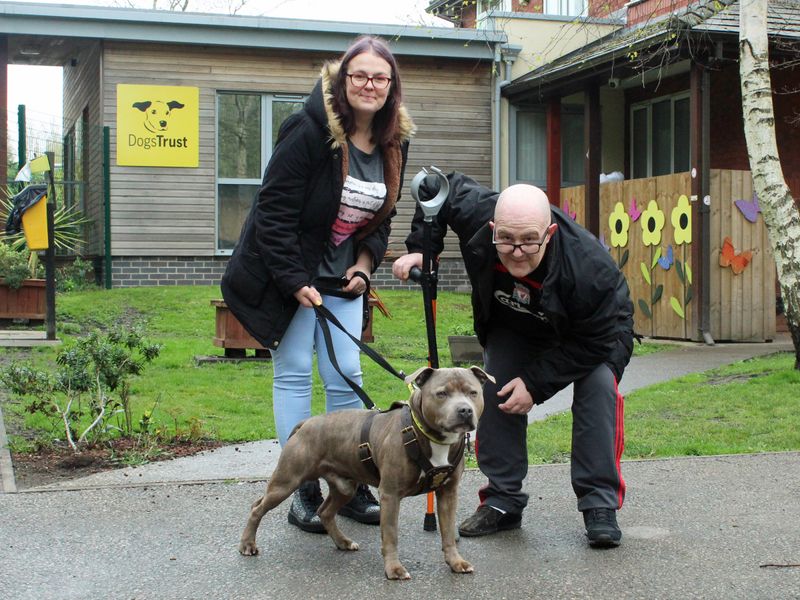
(619, 442)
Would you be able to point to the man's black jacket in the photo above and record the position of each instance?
(584, 295)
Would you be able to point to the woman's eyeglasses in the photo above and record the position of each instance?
(379, 82)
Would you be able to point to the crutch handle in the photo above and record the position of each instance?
(415, 274)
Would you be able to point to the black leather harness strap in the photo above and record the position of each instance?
(365, 449)
(431, 477)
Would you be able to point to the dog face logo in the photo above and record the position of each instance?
(157, 113)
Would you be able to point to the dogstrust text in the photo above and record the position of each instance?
(158, 125)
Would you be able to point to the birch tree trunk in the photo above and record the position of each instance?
(777, 205)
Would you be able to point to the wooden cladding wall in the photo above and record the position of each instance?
(742, 307)
(172, 211)
(82, 113)
(659, 268)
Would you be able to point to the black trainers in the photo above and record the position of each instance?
(363, 507)
(303, 511)
(488, 520)
(601, 527)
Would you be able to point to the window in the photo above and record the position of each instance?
(567, 8)
(247, 126)
(529, 151)
(660, 137)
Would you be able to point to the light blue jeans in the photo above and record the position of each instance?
(293, 360)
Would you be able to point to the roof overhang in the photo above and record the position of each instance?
(38, 27)
(638, 52)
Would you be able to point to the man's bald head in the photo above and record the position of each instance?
(522, 220)
(522, 203)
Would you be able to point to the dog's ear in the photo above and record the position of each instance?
(420, 376)
(482, 375)
(142, 106)
(173, 104)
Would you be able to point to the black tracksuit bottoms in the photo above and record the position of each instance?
(597, 433)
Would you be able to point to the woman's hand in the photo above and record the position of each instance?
(308, 296)
(358, 274)
(519, 401)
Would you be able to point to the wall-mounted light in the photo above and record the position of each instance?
(29, 51)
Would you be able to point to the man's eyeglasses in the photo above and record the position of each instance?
(504, 247)
(379, 82)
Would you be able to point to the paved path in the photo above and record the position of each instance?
(693, 528)
(716, 527)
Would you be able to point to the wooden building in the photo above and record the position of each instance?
(173, 217)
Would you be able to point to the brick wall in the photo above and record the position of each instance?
(728, 146)
(132, 271)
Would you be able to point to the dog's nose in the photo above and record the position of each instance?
(162, 123)
(465, 412)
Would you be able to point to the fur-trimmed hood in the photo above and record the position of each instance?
(405, 126)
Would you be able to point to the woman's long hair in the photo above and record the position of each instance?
(384, 124)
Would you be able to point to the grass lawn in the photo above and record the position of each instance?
(752, 406)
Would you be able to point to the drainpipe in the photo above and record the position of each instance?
(705, 209)
(505, 54)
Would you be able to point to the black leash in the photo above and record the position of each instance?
(323, 317)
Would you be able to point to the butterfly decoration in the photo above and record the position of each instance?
(749, 208)
(665, 262)
(565, 207)
(604, 244)
(633, 211)
(729, 258)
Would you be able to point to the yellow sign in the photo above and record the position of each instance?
(158, 125)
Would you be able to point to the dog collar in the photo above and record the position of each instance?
(424, 431)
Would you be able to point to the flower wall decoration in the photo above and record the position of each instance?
(682, 221)
(652, 223)
(619, 222)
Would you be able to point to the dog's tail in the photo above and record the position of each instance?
(296, 427)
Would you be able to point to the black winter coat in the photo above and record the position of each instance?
(284, 238)
(584, 295)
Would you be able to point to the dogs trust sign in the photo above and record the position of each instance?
(157, 125)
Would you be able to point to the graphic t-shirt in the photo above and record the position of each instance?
(516, 303)
(363, 196)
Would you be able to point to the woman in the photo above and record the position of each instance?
(317, 231)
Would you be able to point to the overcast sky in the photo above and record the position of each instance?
(37, 87)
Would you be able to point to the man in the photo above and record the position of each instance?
(550, 308)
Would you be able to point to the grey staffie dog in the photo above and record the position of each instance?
(445, 405)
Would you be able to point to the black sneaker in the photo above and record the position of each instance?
(488, 520)
(303, 511)
(601, 527)
(363, 507)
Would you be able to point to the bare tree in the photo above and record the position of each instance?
(230, 6)
(780, 213)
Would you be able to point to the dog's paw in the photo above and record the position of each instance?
(248, 549)
(461, 566)
(347, 544)
(397, 572)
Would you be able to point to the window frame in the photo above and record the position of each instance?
(647, 105)
(564, 8)
(267, 101)
(513, 146)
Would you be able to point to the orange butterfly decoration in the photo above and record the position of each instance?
(729, 258)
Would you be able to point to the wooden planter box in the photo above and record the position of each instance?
(465, 349)
(27, 302)
(234, 338)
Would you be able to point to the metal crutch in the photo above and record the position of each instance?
(428, 279)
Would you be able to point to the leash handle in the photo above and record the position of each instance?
(324, 315)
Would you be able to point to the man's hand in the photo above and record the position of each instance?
(519, 401)
(308, 296)
(403, 265)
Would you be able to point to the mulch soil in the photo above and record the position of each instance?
(60, 463)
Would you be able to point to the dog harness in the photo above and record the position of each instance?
(431, 477)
